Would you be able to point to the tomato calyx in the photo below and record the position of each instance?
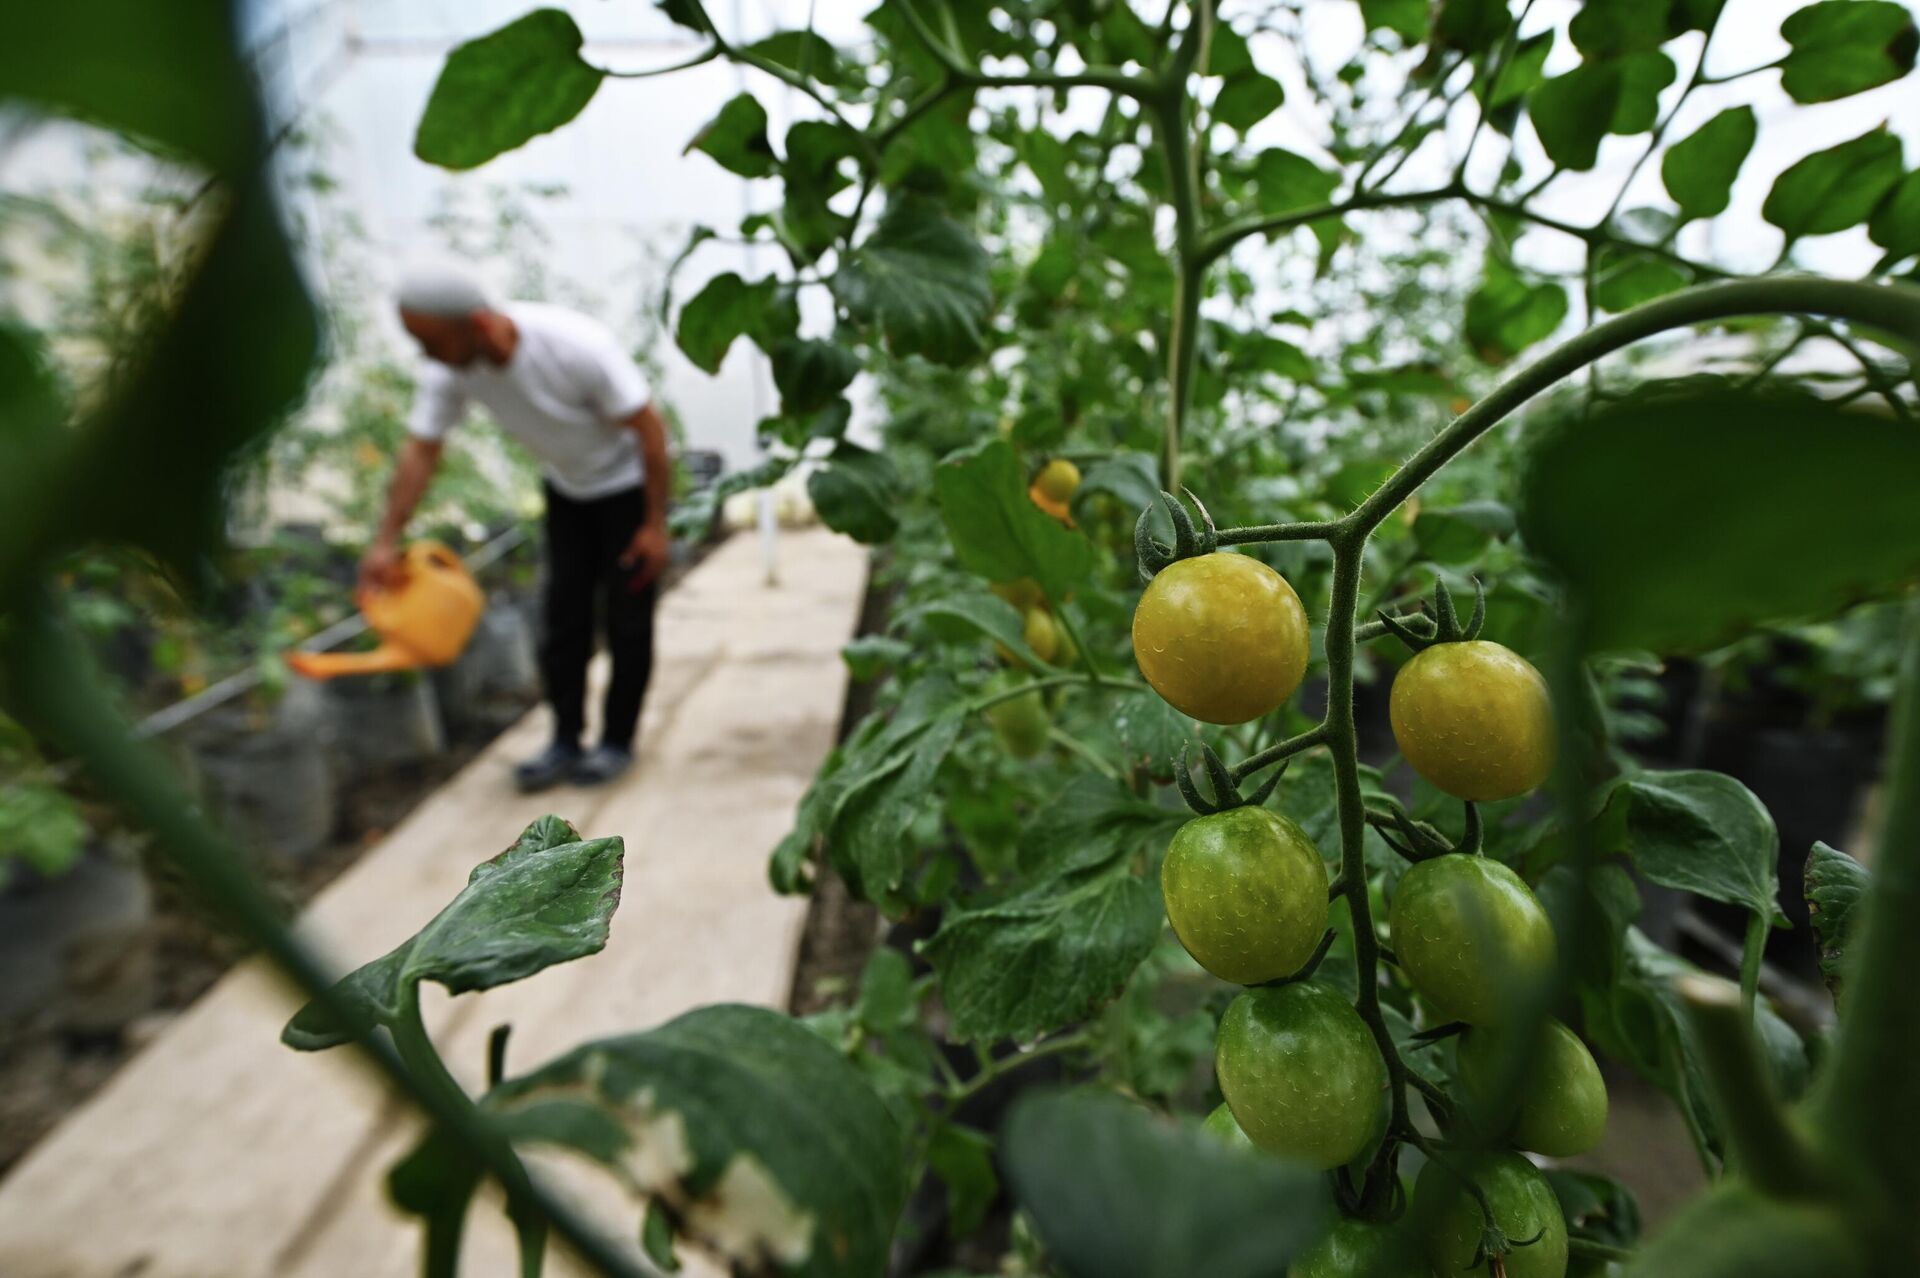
(1189, 540)
(1226, 792)
(1419, 840)
(1439, 621)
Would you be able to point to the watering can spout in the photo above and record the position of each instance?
(331, 665)
(424, 620)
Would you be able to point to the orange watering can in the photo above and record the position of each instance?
(424, 620)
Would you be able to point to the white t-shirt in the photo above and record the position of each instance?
(564, 394)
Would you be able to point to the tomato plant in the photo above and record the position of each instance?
(1065, 234)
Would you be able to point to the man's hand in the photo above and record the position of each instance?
(380, 567)
(647, 554)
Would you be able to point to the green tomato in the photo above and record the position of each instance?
(1301, 1073)
(1246, 892)
(1021, 723)
(1523, 1206)
(1473, 718)
(1562, 1106)
(1471, 937)
(1357, 1249)
(1221, 1126)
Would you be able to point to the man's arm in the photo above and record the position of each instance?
(648, 552)
(419, 458)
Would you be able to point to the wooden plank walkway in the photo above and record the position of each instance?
(217, 1153)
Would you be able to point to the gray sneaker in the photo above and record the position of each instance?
(601, 765)
(548, 768)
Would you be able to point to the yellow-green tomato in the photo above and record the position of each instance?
(1021, 724)
(1523, 1205)
(1222, 637)
(1246, 892)
(1220, 1125)
(1471, 936)
(1561, 1109)
(1058, 479)
(1360, 1249)
(1474, 719)
(1301, 1073)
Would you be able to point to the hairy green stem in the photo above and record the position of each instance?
(1281, 750)
(1342, 740)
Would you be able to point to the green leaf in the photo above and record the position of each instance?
(1246, 100)
(41, 826)
(1699, 170)
(855, 493)
(810, 373)
(1736, 1232)
(769, 1146)
(1700, 554)
(547, 899)
(1596, 1206)
(1458, 534)
(963, 1160)
(1836, 884)
(1118, 1191)
(1044, 958)
(1609, 28)
(887, 1001)
(656, 1238)
(1895, 226)
(1834, 189)
(878, 751)
(1843, 47)
(1699, 832)
(1471, 26)
(736, 138)
(162, 74)
(979, 613)
(996, 529)
(803, 52)
(1094, 823)
(1130, 478)
(1405, 18)
(1505, 315)
(1573, 112)
(727, 308)
(1228, 54)
(923, 278)
(1523, 72)
(505, 89)
(869, 655)
(814, 174)
(1624, 279)
(868, 843)
(1285, 182)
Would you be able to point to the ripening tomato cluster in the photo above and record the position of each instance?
(1224, 639)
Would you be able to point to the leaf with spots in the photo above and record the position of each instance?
(759, 1140)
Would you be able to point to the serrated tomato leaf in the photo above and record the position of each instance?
(547, 899)
(769, 1147)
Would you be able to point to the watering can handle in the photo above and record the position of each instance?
(439, 556)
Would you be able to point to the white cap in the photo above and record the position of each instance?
(441, 288)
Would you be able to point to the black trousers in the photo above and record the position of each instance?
(585, 540)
